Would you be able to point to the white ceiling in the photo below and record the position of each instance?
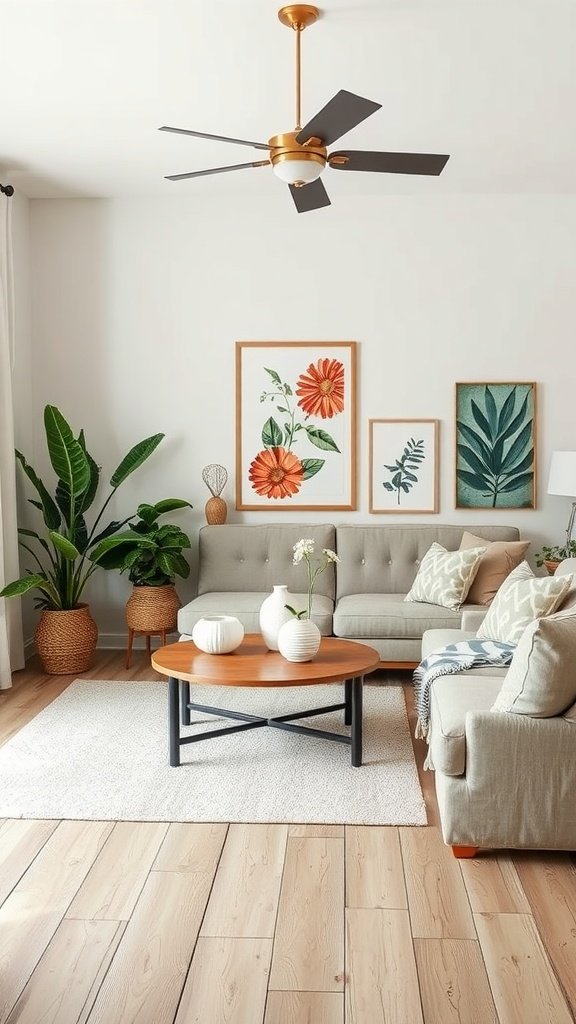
(85, 85)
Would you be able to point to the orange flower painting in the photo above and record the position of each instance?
(321, 389)
(295, 425)
(276, 473)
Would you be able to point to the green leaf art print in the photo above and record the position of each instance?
(404, 472)
(495, 445)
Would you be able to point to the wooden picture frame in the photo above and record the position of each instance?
(496, 444)
(296, 425)
(404, 466)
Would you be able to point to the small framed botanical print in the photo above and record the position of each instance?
(403, 466)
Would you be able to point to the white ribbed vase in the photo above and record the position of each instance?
(299, 640)
(218, 634)
(273, 615)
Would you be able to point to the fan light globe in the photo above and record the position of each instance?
(294, 172)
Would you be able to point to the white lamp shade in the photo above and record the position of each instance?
(562, 479)
(291, 171)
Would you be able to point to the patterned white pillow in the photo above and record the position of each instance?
(522, 598)
(445, 577)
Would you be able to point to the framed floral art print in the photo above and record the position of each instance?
(403, 466)
(296, 425)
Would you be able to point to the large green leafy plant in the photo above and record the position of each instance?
(70, 552)
(151, 554)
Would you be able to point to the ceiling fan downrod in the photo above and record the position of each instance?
(298, 17)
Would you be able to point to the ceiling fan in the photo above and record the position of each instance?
(299, 157)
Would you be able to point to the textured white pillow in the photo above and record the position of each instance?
(522, 598)
(445, 577)
(541, 680)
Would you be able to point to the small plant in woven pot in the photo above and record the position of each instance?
(151, 554)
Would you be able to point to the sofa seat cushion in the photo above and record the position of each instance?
(451, 697)
(245, 605)
(388, 615)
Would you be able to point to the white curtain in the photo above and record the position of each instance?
(11, 644)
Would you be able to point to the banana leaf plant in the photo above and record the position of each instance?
(151, 554)
(66, 556)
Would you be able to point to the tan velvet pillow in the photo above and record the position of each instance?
(501, 557)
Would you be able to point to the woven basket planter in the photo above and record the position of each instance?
(66, 641)
(551, 565)
(152, 609)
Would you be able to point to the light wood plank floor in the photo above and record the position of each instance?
(139, 923)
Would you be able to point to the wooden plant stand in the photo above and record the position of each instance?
(148, 633)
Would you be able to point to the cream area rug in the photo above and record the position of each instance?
(100, 752)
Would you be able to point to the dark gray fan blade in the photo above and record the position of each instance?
(310, 197)
(216, 170)
(388, 163)
(344, 111)
(217, 138)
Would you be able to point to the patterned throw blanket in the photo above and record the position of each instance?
(455, 658)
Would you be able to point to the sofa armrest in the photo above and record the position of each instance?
(472, 620)
(518, 752)
(518, 788)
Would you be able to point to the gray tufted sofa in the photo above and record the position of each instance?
(363, 599)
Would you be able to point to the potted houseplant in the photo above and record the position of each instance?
(152, 556)
(64, 554)
(551, 556)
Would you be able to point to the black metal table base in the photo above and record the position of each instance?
(180, 707)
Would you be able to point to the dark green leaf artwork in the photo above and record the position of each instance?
(495, 445)
(404, 471)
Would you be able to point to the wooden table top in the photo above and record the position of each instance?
(252, 664)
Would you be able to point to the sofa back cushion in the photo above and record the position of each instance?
(385, 559)
(239, 557)
(541, 680)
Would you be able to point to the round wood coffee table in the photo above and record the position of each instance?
(252, 664)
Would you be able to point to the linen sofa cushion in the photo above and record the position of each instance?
(451, 697)
(568, 568)
(245, 605)
(495, 565)
(541, 680)
(445, 577)
(386, 615)
(522, 598)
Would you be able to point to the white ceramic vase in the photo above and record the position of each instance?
(299, 640)
(218, 634)
(273, 615)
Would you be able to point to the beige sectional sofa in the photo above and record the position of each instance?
(502, 779)
(363, 599)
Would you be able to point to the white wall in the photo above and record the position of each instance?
(137, 305)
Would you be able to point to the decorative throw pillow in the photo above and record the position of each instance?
(444, 577)
(522, 598)
(501, 557)
(541, 680)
